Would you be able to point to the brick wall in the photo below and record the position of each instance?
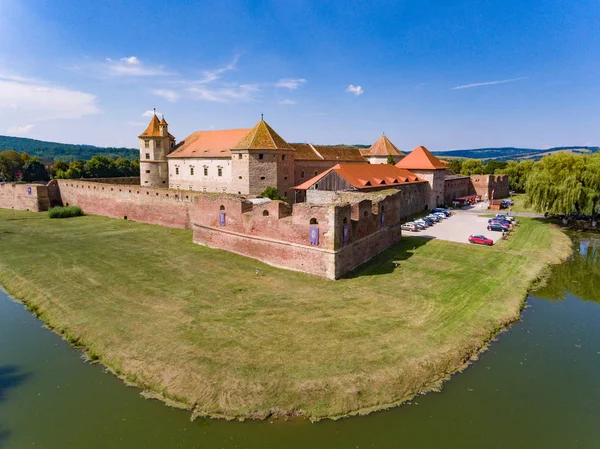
(149, 205)
(484, 185)
(456, 187)
(33, 197)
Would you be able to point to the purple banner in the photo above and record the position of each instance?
(28, 190)
(222, 218)
(346, 233)
(314, 235)
(382, 219)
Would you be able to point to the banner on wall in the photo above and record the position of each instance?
(382, 218)
(314, 235)
(222, 218)
(346, 233)
(28, 190)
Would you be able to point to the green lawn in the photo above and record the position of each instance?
(198, 326)
(519, 206)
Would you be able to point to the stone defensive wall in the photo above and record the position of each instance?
(484, 185)
(321, 239)
(33, 197)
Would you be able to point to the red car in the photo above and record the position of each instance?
(481, 240)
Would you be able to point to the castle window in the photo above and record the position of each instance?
(146, 144)
(158, 144)
(220, 171)
(222, 207)
(192, 171)
(345, 220)
(316, 172)
(283, 157)
(176, 170)
(262, 178)
(205, 171)
(265, 213)
(365, 213)
(302, 174)
(239, 177)
(240, 156)
(260, 156)
(285, 177)
(314, 221)
(147, 155)
(147, 171)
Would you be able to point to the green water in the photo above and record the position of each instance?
(537, 387)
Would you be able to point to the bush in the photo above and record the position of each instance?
(65, 212)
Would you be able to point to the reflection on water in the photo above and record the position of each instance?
(580, 275)
(537, 387)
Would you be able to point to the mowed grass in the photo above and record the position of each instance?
(198, 326)
(519, 206)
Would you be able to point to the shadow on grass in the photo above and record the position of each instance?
(4, 436)
(387, 261)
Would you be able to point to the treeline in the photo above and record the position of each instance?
(560, 184)
(27, 168)
(54, 151)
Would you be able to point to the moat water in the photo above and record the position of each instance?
(537, 387)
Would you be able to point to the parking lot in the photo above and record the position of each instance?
(458, 228)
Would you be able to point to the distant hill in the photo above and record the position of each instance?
(53, 151)
(511, 153)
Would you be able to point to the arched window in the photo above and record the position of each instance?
(265, 213)
(222, 207)
(365, 214)
(382, 208)
(345, 220)
(314, 221)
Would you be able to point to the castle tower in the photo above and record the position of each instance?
(426, 166)
(262, 159)
(155, 144)
(381, 150)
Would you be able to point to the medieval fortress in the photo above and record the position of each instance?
(343, 205)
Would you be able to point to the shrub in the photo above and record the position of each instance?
(65, 212)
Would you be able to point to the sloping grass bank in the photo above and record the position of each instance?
(198, 326)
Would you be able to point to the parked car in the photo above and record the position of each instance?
(428, 220)
(498, 227)
(440, 210)
(441, 215)
(499, 220)
(506, 217)
(434, 217)
(480, 240)
(409, 227)
(421, 224)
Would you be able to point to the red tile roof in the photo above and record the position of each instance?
(339, 153)
(383, 147)
(153, 129)
(304, 152)
(210, 143)
(366, 176)
(420, 159)
(262, 137)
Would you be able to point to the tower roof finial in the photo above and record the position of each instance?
(261, 116)
(154, 111)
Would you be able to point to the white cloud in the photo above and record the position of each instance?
(290, 83)
(132, 66)
(489, 83)
(216, 74)
(227, 94)
(21, 130)
(33, 102)
(286, 101)
(150, 113)
(356, 90)
(169, 95)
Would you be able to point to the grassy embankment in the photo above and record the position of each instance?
(519, 206)
(197, 326)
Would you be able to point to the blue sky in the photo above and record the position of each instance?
(444, 74)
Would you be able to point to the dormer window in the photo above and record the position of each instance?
(146, 144)
(261, 156)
